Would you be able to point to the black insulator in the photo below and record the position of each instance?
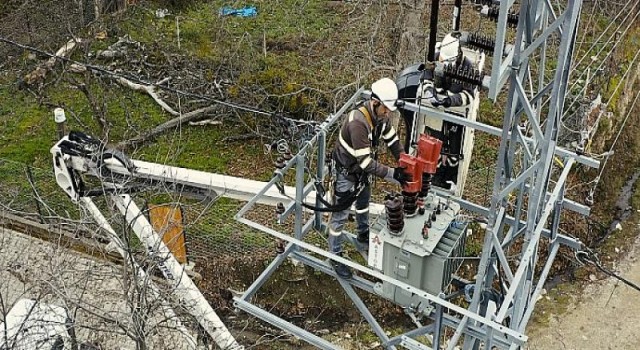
(493, 13)
(410, 200)
(462, 75)
(410, 208)
(421, 211)
(287, 156)
(280, 163)
(481, 42)
(426, 184)
(512, 18)
(395, 228)
(280, 208)
(395, 221)
(395, 214)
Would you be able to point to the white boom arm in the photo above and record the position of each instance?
(142, 276)
(78, 154)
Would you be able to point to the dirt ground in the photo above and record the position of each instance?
(606, 317)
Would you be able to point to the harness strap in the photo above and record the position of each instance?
(367, 116)
(343, 202)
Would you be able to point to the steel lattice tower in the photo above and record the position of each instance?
(525, 168)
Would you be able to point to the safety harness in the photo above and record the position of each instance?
(361, 179)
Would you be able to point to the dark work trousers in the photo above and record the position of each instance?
(343, 188)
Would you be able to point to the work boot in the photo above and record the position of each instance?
(362, 242)
(363, 237)
(342, 270)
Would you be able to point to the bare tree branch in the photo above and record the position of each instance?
(150, 90)
(185, 118)
(38, 74)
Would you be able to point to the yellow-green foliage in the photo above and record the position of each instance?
(218, 42)
(28, 130)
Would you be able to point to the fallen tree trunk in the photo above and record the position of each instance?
(185, 118)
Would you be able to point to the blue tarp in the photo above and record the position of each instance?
(249, 11)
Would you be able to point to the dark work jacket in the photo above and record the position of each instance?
(355, 147)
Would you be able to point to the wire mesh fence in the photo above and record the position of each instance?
(32, 193)
(209, 225)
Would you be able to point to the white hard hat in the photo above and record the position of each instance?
(449, 48)
(386, 91)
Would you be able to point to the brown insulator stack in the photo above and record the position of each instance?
(411, 189)
(393, 206)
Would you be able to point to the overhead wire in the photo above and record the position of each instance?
(604, 164)
(624, 76)
(567, 109)
(589, 20)
(596, 181)
(596, 41)
(602, 61)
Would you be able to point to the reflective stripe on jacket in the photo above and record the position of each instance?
(355, 147)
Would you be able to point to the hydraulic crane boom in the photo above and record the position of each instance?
(78, 154)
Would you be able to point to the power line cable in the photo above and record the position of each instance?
(601, 63)
(586, 54)
(589, 257)
(624, 76)
(584, 34)
(607, 154)
(597, 181)
(597, 40)
(608, 40)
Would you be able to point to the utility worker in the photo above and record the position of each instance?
(432, 91)
(355, 160)
(435, 93)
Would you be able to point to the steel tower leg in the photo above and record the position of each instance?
(524, 169)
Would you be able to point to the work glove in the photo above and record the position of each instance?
(445, 102)
(398, 176)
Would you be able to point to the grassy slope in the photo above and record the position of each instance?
(226, 47)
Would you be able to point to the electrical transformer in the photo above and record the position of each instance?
(425, 254)
(420, 237)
